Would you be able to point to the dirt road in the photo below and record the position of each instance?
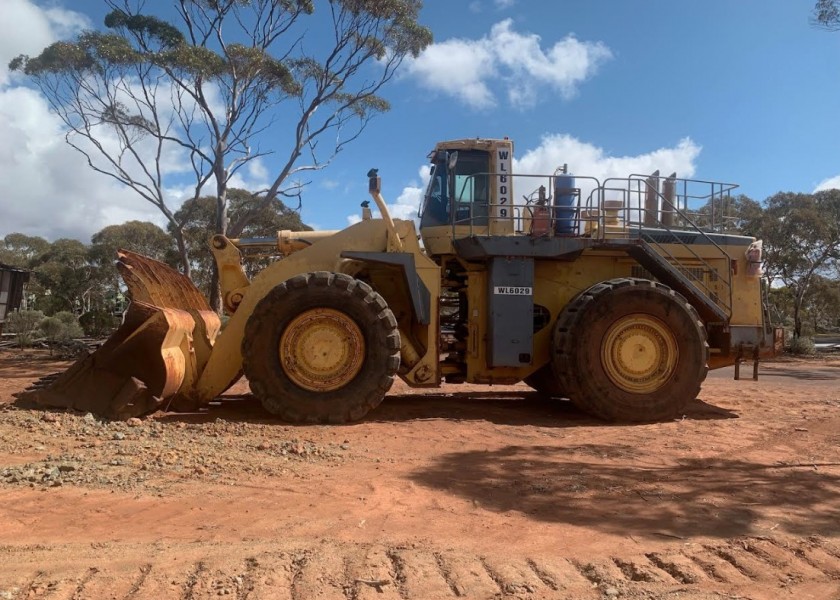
(494, 493)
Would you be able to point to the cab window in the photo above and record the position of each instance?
(469, 187)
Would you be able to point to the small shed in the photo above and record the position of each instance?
(12, 281)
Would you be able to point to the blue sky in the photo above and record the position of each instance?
(741, 91)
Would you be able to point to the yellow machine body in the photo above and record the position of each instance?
(489, 296)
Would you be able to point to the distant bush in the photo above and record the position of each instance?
(24, 324)
(99, 323)
(60, 329)
(71, 324)
(801, 346)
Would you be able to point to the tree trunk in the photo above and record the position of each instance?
(797, 317)
(215, 291)
(221, 229)
(183, 254)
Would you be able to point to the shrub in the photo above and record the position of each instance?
(98, 322)
(72, 327)
(24, 324)
(53, 331)
(60, 329)
(801, 346)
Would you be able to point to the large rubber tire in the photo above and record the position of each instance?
(600, 334)
(545, 382)
(352, 300)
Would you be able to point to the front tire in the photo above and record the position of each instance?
(630, 350)
(321, 348)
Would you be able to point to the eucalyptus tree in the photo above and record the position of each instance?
(801, 236)
(826, 14)
(150, 99)
(21, 250)
(197, 216)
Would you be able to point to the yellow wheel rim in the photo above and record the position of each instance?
(322, 350)
(639, 353)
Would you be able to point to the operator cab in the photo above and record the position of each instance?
(467, 183)
(469, 192)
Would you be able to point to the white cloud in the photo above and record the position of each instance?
(832, 183)
(457, 67)
(48, 189)
(254, 176)
(26, 28)
(475, 7)
(504, 4)
(587, 159)
(465, 68)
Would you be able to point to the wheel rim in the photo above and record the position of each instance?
(322, 350)
(639, 353)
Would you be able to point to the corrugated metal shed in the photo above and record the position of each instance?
(12, 280)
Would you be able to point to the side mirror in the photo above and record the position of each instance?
(453, 160)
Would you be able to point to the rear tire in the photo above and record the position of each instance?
(630, 350)
(321, 348)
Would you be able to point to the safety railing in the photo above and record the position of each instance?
(657, 210)
(476, 215)
(661, 219)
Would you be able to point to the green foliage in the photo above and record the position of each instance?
(59, 57)
(24, 324)
(197, 217)
(137, 236)
(801, 234)
(52, 329)
(145, 26)
(99, 322)
(60, 328)
(142, 237)
(24, 251)
(196, 61)
(150, 78)
(801, 346)
(72, 328)
(65, 271)
(826, 14)
(733, 214)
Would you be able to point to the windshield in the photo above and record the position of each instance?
(470, 189)
(435, 207)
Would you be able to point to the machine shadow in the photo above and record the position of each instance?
(514, 408)
(713, 497)
(509, 408)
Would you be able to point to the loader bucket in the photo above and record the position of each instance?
(164, 341)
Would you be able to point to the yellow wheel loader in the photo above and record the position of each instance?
(618, 295)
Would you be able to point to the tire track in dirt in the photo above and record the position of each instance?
(361, 572)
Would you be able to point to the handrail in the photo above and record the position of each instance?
(642, 188)
(471, 219)
(592, 217)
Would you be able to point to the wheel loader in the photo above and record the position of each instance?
(618, 295)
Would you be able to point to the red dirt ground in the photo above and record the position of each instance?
(467, 491)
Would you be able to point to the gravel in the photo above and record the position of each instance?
(148, 455)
